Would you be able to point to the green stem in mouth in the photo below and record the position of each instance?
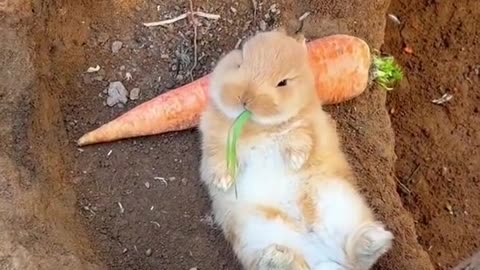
(386, 71)
(233, 136)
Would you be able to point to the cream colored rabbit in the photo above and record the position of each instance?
(297, 205)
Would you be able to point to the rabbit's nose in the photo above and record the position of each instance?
(247, 98)
(244, 101)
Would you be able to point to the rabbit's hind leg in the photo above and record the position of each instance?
(278, 257)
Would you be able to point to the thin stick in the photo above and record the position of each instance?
(206, 15)
(304, 16)
(165, 22)
(254, 3)
(183, 16)
(412, 174)
(301, 20)
(238, 43)
(403, 186)
(195, 56)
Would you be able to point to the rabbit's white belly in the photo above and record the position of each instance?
(265, 179)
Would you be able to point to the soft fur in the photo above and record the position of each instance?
(297, 207)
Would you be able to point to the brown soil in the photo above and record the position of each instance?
(138, 204)
(438, 146)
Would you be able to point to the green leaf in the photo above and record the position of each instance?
(233, 136)
(386, 71)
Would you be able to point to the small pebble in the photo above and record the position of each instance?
(147, 185)
(449, 208)
(102, 37)
(117, 93)
(394, 18)
(169, 84)
(273, 8)
(116, 46)
(179, 77)
(148, 252)
(135, 93)
(87, 79)
(408, 50)
(263, 25)
(125, 250)
(93, 69)
(234, 10)
(98, 78)
(128, 76)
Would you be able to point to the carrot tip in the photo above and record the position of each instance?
(83, 140)
(386, 71)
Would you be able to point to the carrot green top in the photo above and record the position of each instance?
(386, 71)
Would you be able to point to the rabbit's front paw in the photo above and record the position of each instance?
(296, 156)
(223, 182)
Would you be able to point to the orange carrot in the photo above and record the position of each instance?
(174, 110)
(341, 64)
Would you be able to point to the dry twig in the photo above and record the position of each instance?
(410, 177)
(443, 99)
(254, 4)
(155, 223)
(403, 186)
(183, 16)
(166, 22)
(195, 56)
(192, 15)
(206, 15)
(122, 210)
(301, 20)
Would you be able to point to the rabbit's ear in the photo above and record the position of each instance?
(297, 35)
(300, 37)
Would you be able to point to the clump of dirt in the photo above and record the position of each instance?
(438, 146)
(39, 225)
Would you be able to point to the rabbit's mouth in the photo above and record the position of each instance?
(266, 112)
(274, 120)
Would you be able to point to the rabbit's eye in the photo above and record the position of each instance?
(282, 83)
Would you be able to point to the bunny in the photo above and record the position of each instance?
(296, 206)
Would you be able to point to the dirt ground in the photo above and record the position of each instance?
(438, 146)
(139, 201)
